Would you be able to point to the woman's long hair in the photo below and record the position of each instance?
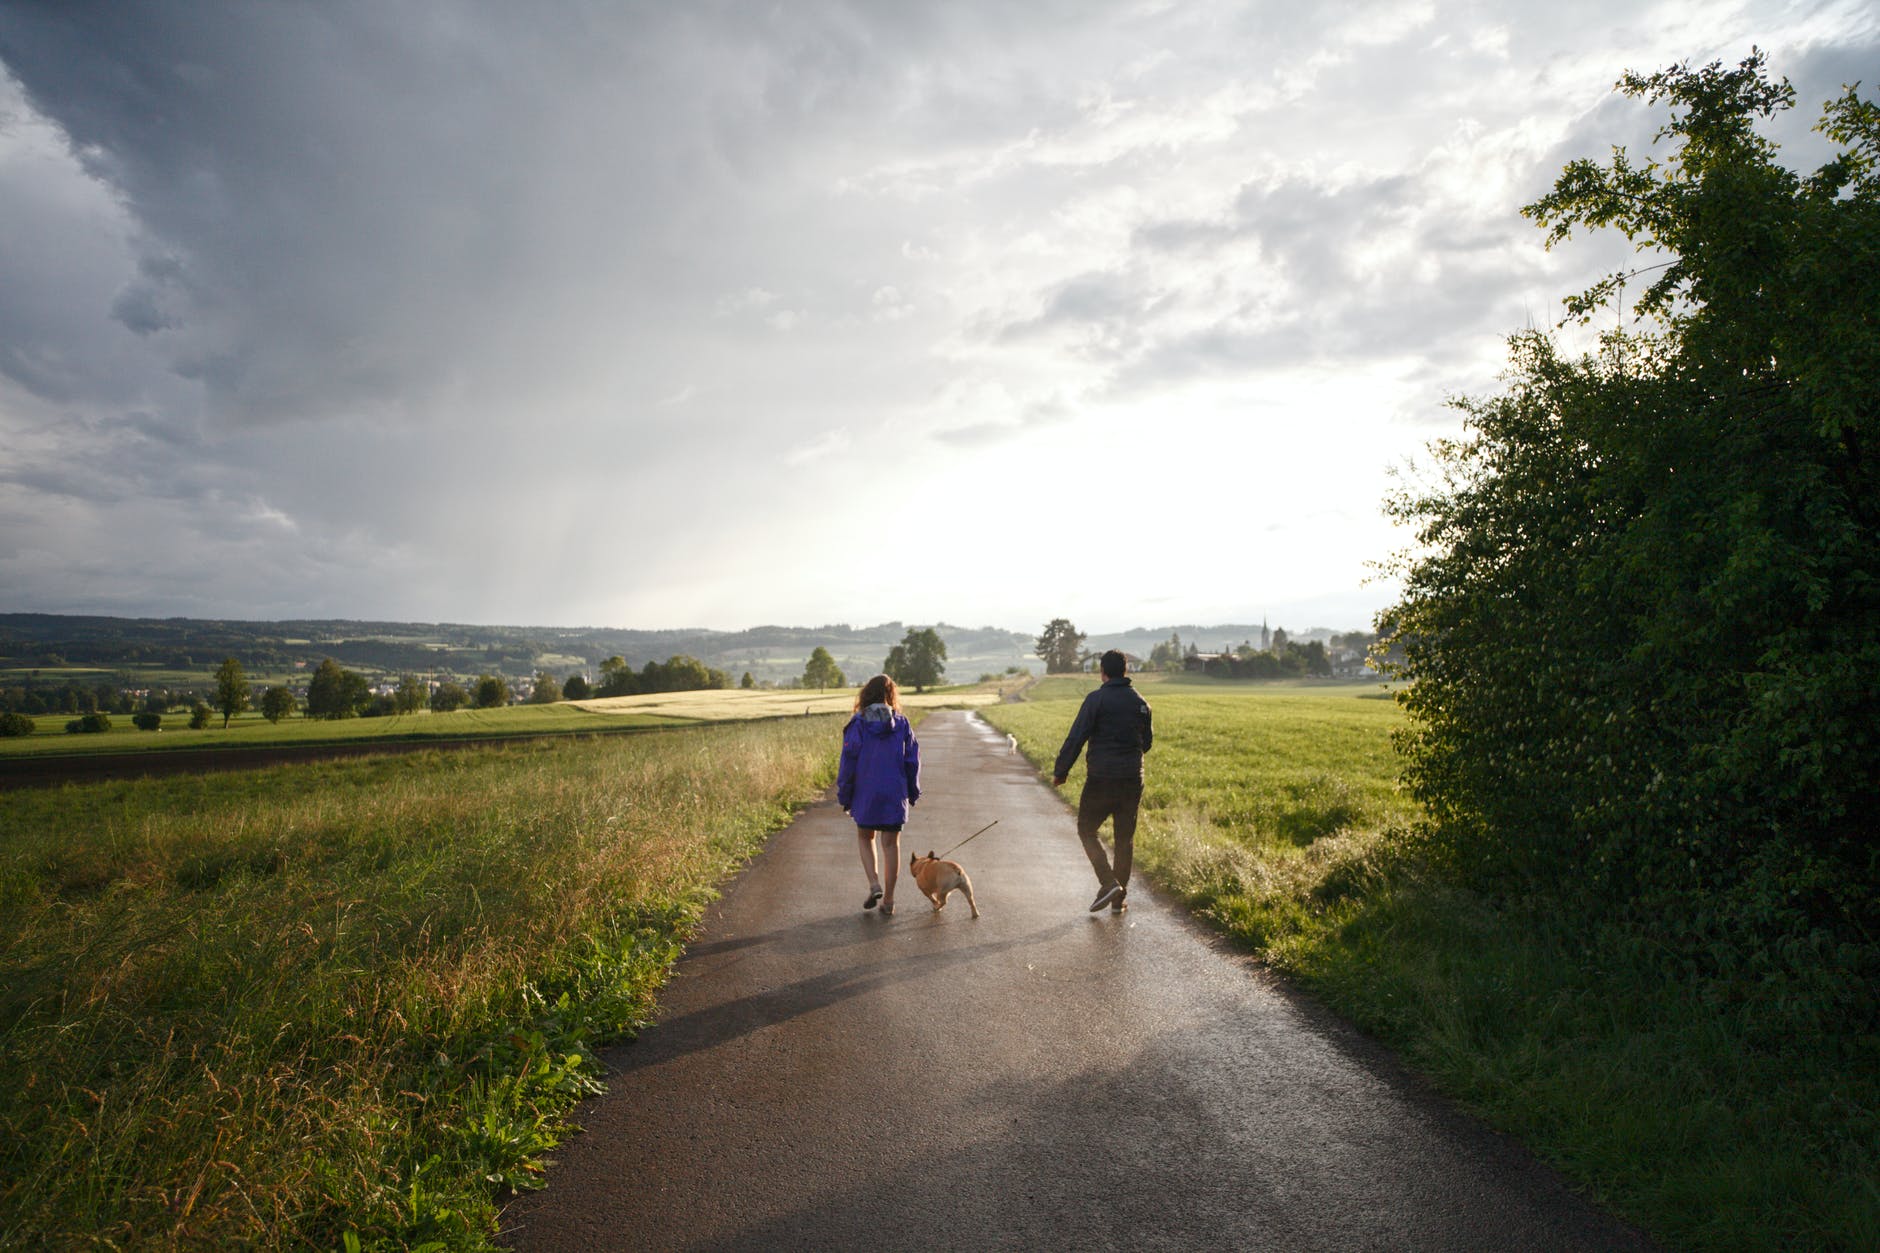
(879, 690)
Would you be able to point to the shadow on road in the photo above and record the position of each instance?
(713, 1026)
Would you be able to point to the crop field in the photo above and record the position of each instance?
(736, 703)
(1273, 813)
(277, 1008)
(251, 730)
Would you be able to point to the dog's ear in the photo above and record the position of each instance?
(930, 854)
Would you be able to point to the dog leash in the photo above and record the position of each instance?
(975, 835)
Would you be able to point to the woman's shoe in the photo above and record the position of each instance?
(874, 898)
(887, 908)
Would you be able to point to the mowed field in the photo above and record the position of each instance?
(279, 1008)
(620, 713)
(736, 703)
(1274, 814)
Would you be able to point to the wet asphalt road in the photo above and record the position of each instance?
(1039, 1078)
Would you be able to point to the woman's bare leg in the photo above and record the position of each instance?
(865, 842)
(890, 853)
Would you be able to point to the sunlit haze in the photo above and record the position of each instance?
(654, 315)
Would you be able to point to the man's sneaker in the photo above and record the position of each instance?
(1106, 896)
(1118, 905)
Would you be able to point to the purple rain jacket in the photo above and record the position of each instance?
(880, 773)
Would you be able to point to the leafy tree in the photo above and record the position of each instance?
(1062, 646)
(15, 724)
(277, 703)
(617, 678)
(821, 671)
(919, 659)
(1168, 654)
(747, 682)
(1643, 619)
(147, 721)
(410, 695)
(334, 692)
(199, 715)
(492, 691)
(547, 689)
(576, 688)
(681, 674)
(90, 724)
(231, 689)
(449, 697)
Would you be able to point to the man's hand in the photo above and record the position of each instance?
(1058, 780)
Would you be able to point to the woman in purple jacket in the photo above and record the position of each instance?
(878, 781)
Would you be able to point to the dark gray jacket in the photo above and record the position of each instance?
(1115, 721)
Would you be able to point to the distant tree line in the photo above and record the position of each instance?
(57, 640)
(1061, 645)
(675, 674)
(1286, 659)
(69, 697)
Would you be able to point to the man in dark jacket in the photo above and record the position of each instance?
(1114, 720)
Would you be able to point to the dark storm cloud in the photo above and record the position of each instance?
(325, 196)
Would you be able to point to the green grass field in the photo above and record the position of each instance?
(271, 1008)
(1273, 813)
(251, 730)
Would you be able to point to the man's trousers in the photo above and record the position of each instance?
(1117, 800)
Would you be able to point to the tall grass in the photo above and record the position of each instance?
(272, 1008)
(1715, 1122)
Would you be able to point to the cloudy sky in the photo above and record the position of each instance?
(716, 314)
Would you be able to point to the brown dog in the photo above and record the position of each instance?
(940, 879)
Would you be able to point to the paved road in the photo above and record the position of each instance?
(1040, 1078)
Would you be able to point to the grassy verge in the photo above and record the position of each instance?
(272, 1008)
(1273, 814)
